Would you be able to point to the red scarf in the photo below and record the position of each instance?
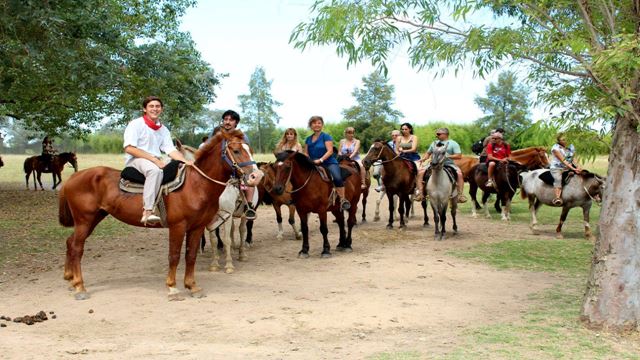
(150, 123)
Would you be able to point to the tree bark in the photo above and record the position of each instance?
(612, 298)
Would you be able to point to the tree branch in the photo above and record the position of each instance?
(586, 16)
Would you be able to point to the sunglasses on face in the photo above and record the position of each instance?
(438, 134)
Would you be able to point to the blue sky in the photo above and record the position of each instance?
(237, 36)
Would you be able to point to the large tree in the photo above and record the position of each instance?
(373, 115)
(506, 105)
(258, 114)
(582, 56)
(66, 65)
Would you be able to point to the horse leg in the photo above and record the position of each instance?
(215, 262)
(534, 205)
(279, 236)
(191, 253)
(436, 219)
(424, 210)
(351, 222)
(443, 219)
(324, 230)
(53, 176)
(507, 205)
(585, 216)
(485, 198)
(26, 179)
(376, 215)
(391, 211)
(243, 230)
(403, 210)
(248, 239)
(176, 236)
(304, 227)
(473, 191)
(454, 210)
(364, 206)
(563, 218)
(292, 222)
(38, 174)
(496, 205)
(227, 241)
(75, 249)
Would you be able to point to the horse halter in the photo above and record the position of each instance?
(377, 158)
(289, 179)
(600, 183)
(227, 156)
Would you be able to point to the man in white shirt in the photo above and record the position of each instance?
(145, 139)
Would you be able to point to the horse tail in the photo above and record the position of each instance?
(27, 165)
(64, 213)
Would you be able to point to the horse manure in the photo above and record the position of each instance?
(54, 316)
(90, 311)
(3, 325)
(30, 319)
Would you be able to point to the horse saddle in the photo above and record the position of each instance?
(547, 178)
(131, 180)
(450, 171)
(326, 177)
(411, 165)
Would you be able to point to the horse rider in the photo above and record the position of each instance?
(319, 147)
(144, 140)
(497, 151)
(561, 161)
(392, 144)
(453, 153)
(486, 141)
(48, 151)
(229, 122)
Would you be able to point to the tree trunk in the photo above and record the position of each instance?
(612, 298)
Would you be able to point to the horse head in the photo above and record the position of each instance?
(439, 155)
(71, 158)
(593, 184)
(285, 162)
(379, 150)
(230, 145)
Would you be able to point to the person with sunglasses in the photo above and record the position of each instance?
(453, 153)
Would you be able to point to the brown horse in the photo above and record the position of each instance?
(269, 197)
(398, 179)
(90, 195)
(466, 164)
(507, 180)
(38, 165)
(347, 161)
(311, 194)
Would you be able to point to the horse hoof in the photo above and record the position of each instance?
(229, 270)
(325, 255)
(299, 236)
(303, 255)
(559, 236)
(82, 295)
(389, 227)
(346, 249)
(364, 221)
(176, 297)
(376, 218)
(426, 224)
(214, 268)
(279, 237)
(198, 293)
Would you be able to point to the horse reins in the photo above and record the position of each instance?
(303, 185)
(380, 153)
(228, 157)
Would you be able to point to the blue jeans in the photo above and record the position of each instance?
(334, 169)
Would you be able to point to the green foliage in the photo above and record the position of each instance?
(66, 65)
(258, 114)
(373, 116)
(506, 105)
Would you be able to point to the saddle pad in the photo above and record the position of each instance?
(137, 188)
(411, 165)
(546, 177)
(169, 173)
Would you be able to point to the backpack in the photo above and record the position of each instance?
(477, 147)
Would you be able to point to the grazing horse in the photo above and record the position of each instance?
(580, 190)
(439, 188)
(347, 161)
(313, 194)
(398, 179)
(92, 194)
(37, 166)
(507, 180)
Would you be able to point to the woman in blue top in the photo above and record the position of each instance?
(319, 147)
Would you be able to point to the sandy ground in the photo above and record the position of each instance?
(398, 291)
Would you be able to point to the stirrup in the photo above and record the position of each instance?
(557, 201)
(150, 219)
(345, 204)
(250, 214)
(462, 199)
(489, 183)
(379, 188)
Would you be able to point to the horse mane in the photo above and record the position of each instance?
(302, 159)
(213, 142)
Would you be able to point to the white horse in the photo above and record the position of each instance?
(581, 190)
(440, 189)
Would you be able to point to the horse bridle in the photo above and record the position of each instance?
(303, 185)
(587, 191)
(228, 157)
(380, 153)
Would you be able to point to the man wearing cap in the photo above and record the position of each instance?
(497, 151)
(453, 153)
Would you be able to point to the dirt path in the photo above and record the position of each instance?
(397, 291)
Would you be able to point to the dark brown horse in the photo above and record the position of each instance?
(398, 179)
(269, 197)
(507, 179)
(38, 165)
(91, 195)
(1, 162)
(311, 194)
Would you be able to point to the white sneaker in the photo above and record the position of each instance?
(150, 219)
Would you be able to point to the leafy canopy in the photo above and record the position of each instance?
(65, 65)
